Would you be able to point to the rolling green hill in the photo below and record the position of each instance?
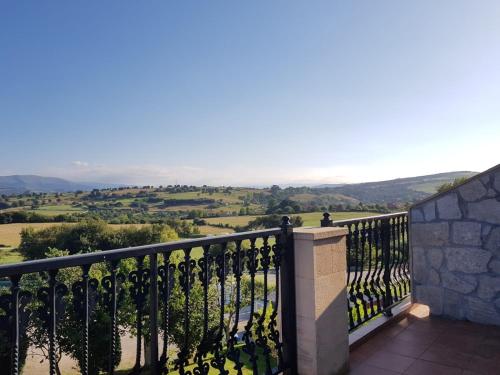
(42, 201)
(396, 191)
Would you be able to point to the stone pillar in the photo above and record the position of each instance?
(320, 290)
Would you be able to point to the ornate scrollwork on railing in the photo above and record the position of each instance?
(222, 314)
(112, 297)
(186, 280)
(166, 272)
(274, 333)
(85, 295)
(377, 265)
(250, 347)
(262, 337)
(205, 264)
(84, 303)
(14, 322)
(234, 353)
(221, 261)
(139, 290)
(50, 312)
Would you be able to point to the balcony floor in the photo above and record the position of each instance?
(423, 345)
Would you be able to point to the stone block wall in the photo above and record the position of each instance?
(455, 250)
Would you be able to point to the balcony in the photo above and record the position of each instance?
(414, 293)
(419, 343)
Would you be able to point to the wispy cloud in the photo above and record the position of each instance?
(243, 175)
(78, 163)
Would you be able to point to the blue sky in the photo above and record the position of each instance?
(260, 92)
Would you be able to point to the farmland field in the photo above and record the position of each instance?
(311, 219)
(10, 233)
(10, 236)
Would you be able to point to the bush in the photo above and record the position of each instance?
(272, 221)
(90, 235)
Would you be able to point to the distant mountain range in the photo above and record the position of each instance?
(399, 190)
(402, 189)
(17, 184)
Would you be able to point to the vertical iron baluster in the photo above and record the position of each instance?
(399, 263)
(139, 290)
(153, 313)
(403, 255)
(186, 279)
(394, 284)
(219, 359)
(406, 254)
(355, 286)
(350, 284)
(261, 329)
(386, 251)
(274, 333)
(49, 312)
(286, 276)
(15, 291)
(85, 277)
(83, 306)
(378, 266)
(205, 264)
(234, 353)
(109, 284)
(359, 282)
(247, 337)
(52, 321)
(367, 284)
(166, 272)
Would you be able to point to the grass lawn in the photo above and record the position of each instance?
(208, 230)
(9, 255)
(10, 237)
(230, 220)
(245, 359)
(311, 219)
(10, 233)
(59, 207)
(54, 210)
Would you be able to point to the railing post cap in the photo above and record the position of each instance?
(285, 221)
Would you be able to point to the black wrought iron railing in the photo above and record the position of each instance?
(377, 264)
(206, 305)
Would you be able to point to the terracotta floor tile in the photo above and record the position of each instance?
(421, 367)
(457, 341)
(365, 350)
(427, 345)
(484, 366)
(392, 331)
(420, 337)
(370, 370)
(446, 356)
(488, 348)
(406, 348)
(430, 325)
(390, 361)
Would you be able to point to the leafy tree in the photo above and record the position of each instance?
(450, 185)
(89, 235)
(272, 221)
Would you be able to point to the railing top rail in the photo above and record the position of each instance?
(368, 218)
(40, 265)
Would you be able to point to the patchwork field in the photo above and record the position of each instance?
(10, 233)
(311, 219)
